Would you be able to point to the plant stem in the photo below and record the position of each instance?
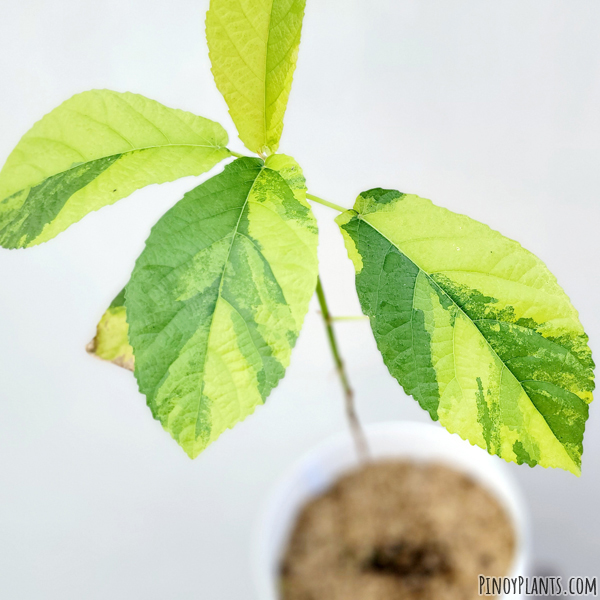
(326, 203)
(358, 434)
(236, 154)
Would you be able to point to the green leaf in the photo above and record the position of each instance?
(253, 48)
(218, 296)
(473, 326)
(112, 341)
(94, 149)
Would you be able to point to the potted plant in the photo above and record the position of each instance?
(422, 544)
(473, 326)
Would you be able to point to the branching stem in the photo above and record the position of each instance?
(358, 434)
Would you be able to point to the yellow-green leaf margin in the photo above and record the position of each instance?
(218, 296)
(111, 342)
(253, 47)
(94, 149)
(473, 326)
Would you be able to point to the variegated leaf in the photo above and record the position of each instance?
(473, 326)
(94, 149)
(253, 49)
(217, 298)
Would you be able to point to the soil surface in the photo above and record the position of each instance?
(397, 531)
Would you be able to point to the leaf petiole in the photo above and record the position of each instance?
(237, 154)
(350, 318)
(326, 203)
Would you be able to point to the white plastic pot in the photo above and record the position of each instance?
(322, 466)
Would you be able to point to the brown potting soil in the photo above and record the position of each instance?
(397, 531)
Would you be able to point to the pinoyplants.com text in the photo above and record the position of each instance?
(538, 586)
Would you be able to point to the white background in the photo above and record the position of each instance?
(489, 108)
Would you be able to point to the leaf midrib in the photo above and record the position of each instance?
(222, 279)
(504, 365)
(265, 83)
(125, 153)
